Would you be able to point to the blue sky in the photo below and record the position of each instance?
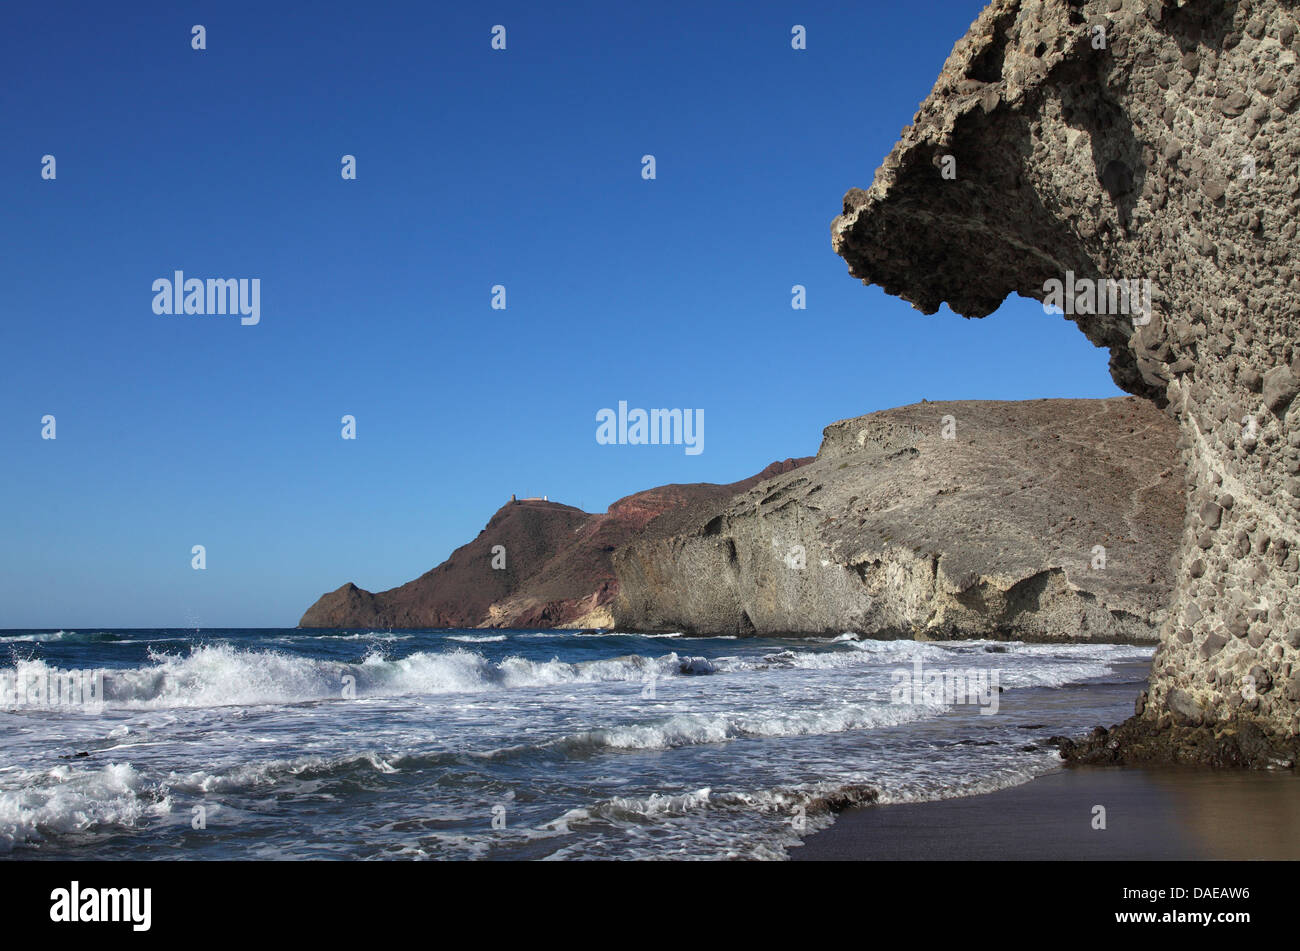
(475, 167)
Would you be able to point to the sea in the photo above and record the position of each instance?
(501, 745)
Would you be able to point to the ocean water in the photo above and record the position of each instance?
(288, 744)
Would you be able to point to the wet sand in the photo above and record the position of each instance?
(1149, 814)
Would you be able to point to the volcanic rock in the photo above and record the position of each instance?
(1195, 98)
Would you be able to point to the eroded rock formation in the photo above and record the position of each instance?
(1044, 520)
(1155, 140)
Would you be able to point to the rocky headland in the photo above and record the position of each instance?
(556, 567)
(1043, 520)
(1040, 521)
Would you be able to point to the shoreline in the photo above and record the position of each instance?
(1151, 813)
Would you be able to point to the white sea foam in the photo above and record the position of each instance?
(65, 801)
(223, 675)
(708, 764)
(216, 675)
(376, 636)
(41, 638)
(369, 636)
(551, 635)
(690, 729)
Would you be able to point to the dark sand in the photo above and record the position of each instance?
(1150, 814)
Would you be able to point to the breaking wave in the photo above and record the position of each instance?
(222, 675)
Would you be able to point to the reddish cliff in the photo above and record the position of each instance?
(558, 568)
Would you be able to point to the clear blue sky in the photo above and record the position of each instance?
(475, 168)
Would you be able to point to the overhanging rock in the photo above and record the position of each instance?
(1154, 141)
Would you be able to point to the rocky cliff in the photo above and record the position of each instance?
(1044, 520)
(556, 568)
(1152, 140)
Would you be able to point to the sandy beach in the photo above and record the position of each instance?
(1167, 814)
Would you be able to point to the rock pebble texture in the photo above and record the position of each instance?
(1049, 520)
(1141, 140)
